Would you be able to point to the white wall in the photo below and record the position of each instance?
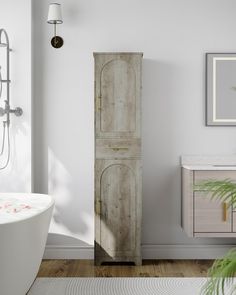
(15, 17)
(174, 36)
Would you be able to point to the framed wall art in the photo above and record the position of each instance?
(221, 89)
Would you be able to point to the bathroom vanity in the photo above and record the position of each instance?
(203, 216)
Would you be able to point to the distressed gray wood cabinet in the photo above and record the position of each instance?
(118, 183)
(202, 216)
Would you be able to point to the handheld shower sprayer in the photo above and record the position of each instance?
(6, 111)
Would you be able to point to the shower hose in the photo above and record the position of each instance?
(5, 134)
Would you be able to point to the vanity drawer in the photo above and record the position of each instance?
(201, 215)
(199, 176)
(118, 148)
(211, 216)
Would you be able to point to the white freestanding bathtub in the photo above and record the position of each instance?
(24, 223)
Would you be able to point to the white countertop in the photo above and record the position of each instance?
(210, 167)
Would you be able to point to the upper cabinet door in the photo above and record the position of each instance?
(117, 95)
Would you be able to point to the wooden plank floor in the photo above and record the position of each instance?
(150, 268)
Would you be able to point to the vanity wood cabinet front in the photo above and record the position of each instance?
(202, 216)
(118, 183)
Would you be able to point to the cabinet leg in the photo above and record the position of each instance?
(138, 261)
(97, 262)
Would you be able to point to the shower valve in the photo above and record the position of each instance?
(7, 110)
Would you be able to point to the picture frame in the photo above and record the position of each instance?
(221, 89)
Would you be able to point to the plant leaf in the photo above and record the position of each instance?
(221, 275)
(223, 270)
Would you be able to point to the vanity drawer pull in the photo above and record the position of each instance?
(225, 211)
(116, 149)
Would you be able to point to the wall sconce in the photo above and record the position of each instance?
(55, 18)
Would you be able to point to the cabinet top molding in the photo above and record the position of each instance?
(118, 53)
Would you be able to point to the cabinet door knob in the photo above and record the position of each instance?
(98, 207)
(98, 103)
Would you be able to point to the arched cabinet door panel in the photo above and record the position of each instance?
(117, 95)
(118, 191)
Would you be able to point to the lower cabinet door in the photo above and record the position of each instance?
(118, 208)
(211, 215)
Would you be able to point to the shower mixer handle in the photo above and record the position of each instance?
(17, 111)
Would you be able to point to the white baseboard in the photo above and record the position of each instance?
(148, 251)
(184, 251)
(68, 252)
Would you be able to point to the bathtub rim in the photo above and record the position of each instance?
(51, 204)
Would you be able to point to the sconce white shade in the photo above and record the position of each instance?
(54, 14)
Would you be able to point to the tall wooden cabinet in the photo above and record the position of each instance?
(118, 183)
